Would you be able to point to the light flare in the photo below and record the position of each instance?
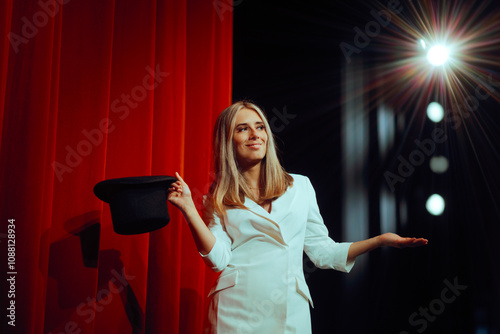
(438, 55)
(467, 32)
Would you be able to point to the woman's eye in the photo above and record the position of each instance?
(241, 129)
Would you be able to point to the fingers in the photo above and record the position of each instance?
(421, 242)
(176, 186)
(180, 184)
(414, 242)
(179, 177)
(397, 241)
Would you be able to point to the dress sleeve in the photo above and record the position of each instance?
(220, 254)
(324, 252)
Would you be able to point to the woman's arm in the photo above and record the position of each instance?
(386, 239)
(180, 196)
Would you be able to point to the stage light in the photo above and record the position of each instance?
(438, 55)
(435, 112)
(439, 164)
(435, 205)
(459, 35)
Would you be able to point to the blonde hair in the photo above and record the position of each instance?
(230, 188)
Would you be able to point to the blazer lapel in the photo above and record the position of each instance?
(257, 209)
(261, 212)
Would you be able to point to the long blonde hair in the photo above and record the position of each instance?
(230, 188)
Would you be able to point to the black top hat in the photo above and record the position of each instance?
(137, 204)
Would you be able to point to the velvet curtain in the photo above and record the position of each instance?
(92, 90)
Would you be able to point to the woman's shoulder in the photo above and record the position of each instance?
(299, 179)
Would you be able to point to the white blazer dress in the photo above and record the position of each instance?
(262, 288)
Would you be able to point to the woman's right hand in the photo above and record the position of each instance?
(179, 195)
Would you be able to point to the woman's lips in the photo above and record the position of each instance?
(255, 146)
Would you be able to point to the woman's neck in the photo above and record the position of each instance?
(252, 176)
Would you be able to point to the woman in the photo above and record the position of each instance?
(260, 220)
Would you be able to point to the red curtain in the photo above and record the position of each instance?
(93, 90)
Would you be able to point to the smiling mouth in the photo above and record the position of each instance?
(255, 146)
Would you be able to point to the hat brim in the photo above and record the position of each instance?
(104, 190)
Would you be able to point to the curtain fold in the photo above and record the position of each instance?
(92, 90)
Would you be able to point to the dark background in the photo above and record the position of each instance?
(287, 58)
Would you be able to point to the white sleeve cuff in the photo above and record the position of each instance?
(218, 257)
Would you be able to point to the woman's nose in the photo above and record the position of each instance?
(254, 134)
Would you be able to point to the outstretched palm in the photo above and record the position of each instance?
(394, 240)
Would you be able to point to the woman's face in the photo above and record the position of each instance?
(249, 138)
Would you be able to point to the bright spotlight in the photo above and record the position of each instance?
(435, 112)
(439, 164)
(435, 205)
(438, 55)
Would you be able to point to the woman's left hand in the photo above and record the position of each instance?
(394, 240)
